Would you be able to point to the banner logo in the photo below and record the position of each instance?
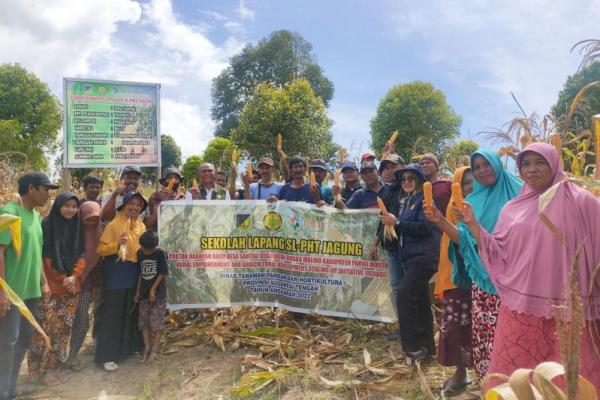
(272, 221)
(243, 221)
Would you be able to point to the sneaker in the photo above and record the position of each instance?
(110, 366)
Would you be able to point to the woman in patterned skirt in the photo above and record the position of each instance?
(454, 347)
(63, 263)
(530, 266)
(493, 188)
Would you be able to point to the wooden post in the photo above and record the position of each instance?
(158, 178)
(66, 179)
(596, 123)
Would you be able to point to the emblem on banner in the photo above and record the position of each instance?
(243, 221)
(272, 221)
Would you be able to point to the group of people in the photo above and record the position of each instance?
(501, 272)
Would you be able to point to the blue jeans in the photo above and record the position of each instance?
(15, 336)
(395, 271)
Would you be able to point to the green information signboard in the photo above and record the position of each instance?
(109, 123)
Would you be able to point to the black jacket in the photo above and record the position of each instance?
(392, 204)
(419, 239)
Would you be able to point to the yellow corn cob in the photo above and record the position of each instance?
(249, 170)
(394, 137)
(279, 141)
(313, 179)
(389, 232)
(457, 197)
(427, 192)
(233, 156)
(194, 184)
(336, 177)
(171, 184)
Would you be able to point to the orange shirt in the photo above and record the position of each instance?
(55, 279)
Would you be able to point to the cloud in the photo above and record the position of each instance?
(130, 41)
(490, 48)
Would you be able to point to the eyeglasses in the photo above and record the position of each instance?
(408, 179)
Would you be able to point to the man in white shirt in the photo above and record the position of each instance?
(207, 190)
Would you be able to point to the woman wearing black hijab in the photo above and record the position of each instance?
(63, 262)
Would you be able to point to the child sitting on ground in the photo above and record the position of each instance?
(151, 293)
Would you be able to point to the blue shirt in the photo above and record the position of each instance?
(326, 194)
(289, 193)
(367, 198)
(263, 192)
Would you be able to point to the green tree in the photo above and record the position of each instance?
(420, 114)
(589, 106)
(170, 152)
(33, 115)
(218, 152)
(279, 59)
(190, 168)
(294, 111)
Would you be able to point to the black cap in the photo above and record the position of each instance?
(368, 165)
(349, 165)
(169, 171)
(131, 168)
(319, 164)
(131, 195)
(37, 178)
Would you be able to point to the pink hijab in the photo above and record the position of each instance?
(527, 263)
(91, 235)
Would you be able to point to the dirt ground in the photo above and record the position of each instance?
(203, 371)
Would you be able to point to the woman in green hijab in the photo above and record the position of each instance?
(494, 187)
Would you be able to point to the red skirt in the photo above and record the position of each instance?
(524, 341)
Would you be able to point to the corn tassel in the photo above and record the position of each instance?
(428, 193)
(389, 231)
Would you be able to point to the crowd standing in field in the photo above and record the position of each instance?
(500, 270)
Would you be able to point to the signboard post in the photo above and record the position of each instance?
(110, 123)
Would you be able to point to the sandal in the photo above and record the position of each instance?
(74, 365)
(53, 379)
(452, 388)
(110, 366)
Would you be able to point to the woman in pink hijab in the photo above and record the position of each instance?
(530, 266)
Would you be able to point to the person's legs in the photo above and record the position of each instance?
(408, 309)
(395, 273)
(25, 333)
(81, 325)
(9, 334)
(426, 339)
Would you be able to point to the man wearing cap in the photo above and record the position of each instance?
(265, 188)
(351, 181)
(208, 190)
(297, 189)
(129, 182)
(165, 193)
(319, 168)
(441, 188)
(388, 166)
(24, 274)
(366, 197)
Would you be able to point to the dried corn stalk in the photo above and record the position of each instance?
(336, 183)
(389, 231)
(596, 120)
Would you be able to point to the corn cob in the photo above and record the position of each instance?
(394, 137)
(427, 192)
(249, 170)
(457, 197)
(194, 184)
(171, 184)
(313, 179)
(233, 156)
(279, 141)
(389, 231)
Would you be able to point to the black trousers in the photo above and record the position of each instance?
(414, 308)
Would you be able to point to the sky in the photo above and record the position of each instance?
(476, 51)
